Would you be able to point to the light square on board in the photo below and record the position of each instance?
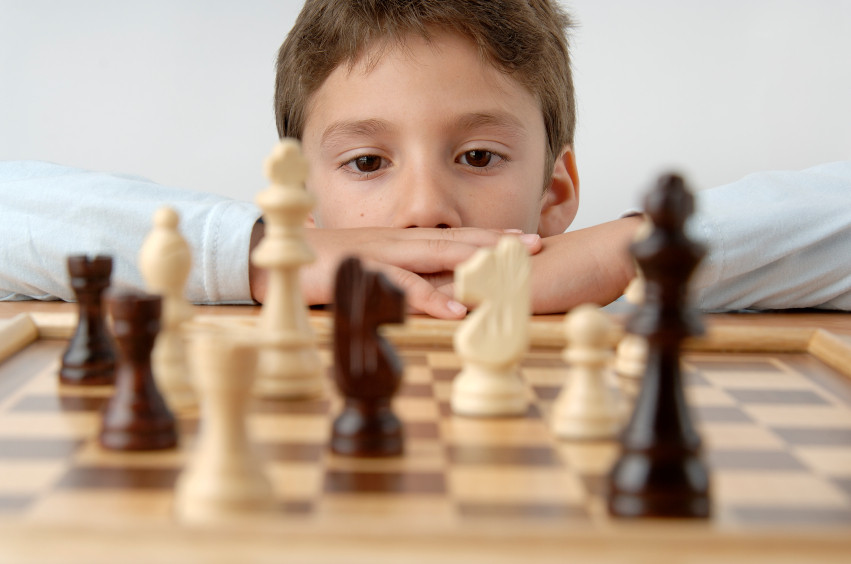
(106, 507)
(23, 477)
(739, 435)
(779, 489)
(495, 431)
(296, 428)
(295, 480)
(419, 455)
(63, 425)
(510, 484)
(806, 416)
(828, 461)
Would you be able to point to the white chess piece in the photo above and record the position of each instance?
(165, 261)
(224, 478)
(289, 365)
(495, 336)
(587, 408)
(631, 352)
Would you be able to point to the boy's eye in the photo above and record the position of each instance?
(478, 158)
(367, 163)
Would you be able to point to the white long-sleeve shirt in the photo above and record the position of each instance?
(48, 212)
(776, 240)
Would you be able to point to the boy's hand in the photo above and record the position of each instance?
(590, 265)
(420, 261)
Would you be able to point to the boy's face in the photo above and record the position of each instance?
(430, 136)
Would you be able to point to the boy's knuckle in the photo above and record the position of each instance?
(439, 246)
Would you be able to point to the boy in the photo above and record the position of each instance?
(420, 114)
(454, 118)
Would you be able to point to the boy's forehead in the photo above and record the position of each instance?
(431, 62)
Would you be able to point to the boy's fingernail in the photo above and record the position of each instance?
(512, 231)
(456, 308)
(530, 238)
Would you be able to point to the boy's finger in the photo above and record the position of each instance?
(423, 297)
(435, 255)
(472, 236)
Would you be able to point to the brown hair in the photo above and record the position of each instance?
(525, 39)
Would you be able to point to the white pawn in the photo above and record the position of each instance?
(289, 365)
(587, 408)
(165, 261)
(631, 352)
(224, 479)
(493, 339)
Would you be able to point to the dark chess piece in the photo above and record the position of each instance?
(136, 416)
(366, 368)
(90, 356)
(660, 472)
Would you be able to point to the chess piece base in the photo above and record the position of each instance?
(171, 372)
(641, 487)
(585, 429)
(149, 439)
(364, 430)
(202, 498)
(287, 373)
(102, 374)
(489, 392)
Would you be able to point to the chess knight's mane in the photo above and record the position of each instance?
(363, 301)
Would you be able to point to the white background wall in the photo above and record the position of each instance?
(181, 92)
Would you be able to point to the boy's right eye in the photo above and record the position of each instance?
(364, 165)
(367, 163)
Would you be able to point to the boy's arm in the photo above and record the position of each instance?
(49, 211)
(591, 265)
(776, 240)
(420, 261)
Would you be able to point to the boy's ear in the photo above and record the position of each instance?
(562, 198)
(309, 221)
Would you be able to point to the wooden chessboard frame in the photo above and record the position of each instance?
(298, 541)
(545, 332)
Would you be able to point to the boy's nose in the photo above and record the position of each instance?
(426, 200)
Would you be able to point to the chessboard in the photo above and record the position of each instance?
(772, 402)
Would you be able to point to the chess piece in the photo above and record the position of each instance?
(224, 479)
(165, 261)
(631, 352)
(366, 368)
(90, 356)
(660, 471)
(289, 365)
(492, 340)
(630, 362)
(136, 417)
(587, 408)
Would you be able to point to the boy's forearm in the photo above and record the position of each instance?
(419, 261)
(590, 265)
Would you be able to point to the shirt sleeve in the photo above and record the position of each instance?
(776, 240)
(48, 212)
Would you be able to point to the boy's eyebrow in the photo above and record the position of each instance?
(505, 121)
(509, 125)
(361, 128)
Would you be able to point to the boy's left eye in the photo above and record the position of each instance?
(478, 158)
